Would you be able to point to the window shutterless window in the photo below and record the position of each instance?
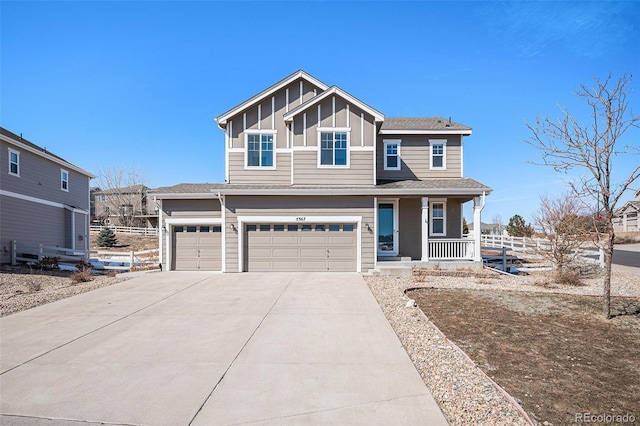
(333, 149)
(438, 154)
(64, 180)
(391, 154)
(14, 162)
(438, 218)
(260, 147)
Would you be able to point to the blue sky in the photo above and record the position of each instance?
(138, 84)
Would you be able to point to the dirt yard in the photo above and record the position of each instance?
(127, 242)
(554, 353)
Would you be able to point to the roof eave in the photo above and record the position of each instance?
(464, 132)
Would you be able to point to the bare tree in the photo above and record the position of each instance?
(559, 221)
(590, 148)
(122, 194)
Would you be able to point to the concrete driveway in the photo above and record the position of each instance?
(183, 348)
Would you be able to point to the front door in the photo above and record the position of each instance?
(388, 228)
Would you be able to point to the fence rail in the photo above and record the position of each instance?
(127, 229)
(109, 260)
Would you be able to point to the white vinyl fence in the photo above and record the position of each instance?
(127, 230)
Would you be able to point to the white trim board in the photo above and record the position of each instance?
(41, 201)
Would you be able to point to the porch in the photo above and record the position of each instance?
(427, 231)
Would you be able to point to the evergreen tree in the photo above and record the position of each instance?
(107, 238)
(517, 227)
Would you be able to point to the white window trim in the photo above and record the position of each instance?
(444, 217)
(442, 142)
(334, 130)
(384, 147)
(13, 151)
(62, 180)
(246, 148)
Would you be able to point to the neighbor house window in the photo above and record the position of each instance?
(392, 155)
(14, 162)
(333, 149)
(260, 150)
(438, 218)
(438, 154)
(64, 180)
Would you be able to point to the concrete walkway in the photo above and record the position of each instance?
(211, 349)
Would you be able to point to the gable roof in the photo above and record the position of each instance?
(333, 90)
(223, 118)
(422, 125)
(22, 143)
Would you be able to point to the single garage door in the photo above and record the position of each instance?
(301, 247)
(197, 247)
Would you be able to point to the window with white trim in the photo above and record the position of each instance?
(64, 180)
(333, 149)
(14, 162)
(438, 154)
(438, 222)
(392, 154)
(260, 150)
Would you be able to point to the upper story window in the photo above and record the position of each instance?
(64, 180)
(14, 162)
(392, 154)
(333, 148)
(260, 150)
(438, 223)
(102, 198)
(438, 154)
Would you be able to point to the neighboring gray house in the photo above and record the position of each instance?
(127, 206)
(317, 180)
(44, 199)
(626, 218)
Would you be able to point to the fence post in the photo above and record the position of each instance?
(131, 261)
(14, 246)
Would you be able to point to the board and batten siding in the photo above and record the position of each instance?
(359, 172)
(281, 175)
(271, 111)
(299, 206)
(415, 157)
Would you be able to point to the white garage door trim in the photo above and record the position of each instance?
(171, 222)
(242, 220)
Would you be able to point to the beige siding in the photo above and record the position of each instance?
(191, 208)
(415, 158)
(299, 206)
(306, 169)
(281, 175)
(410, 228)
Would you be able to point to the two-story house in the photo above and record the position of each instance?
(627, 218)
(44, 199)
(128, 206)
(317, 180)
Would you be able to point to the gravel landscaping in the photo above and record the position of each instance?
(465, 394)
(23, 288)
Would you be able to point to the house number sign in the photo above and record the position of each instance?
(301, 219)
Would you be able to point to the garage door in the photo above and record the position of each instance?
(197, 247)
(301, 247)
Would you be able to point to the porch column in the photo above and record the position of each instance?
(425, 229)
(477, 228)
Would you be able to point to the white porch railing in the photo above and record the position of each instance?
(460, 249)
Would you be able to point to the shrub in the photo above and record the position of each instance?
(568, 277)
(107, 238)
(81, 277)
(83, 266)
(48, 264)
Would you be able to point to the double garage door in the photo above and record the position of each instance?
(301, 247)
(197, 247)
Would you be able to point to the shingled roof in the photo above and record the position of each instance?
(421, 123)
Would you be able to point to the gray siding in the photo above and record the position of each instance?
(306, 169)
(40, 178)
(415, 155)
(299, 206)
(281, 175)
